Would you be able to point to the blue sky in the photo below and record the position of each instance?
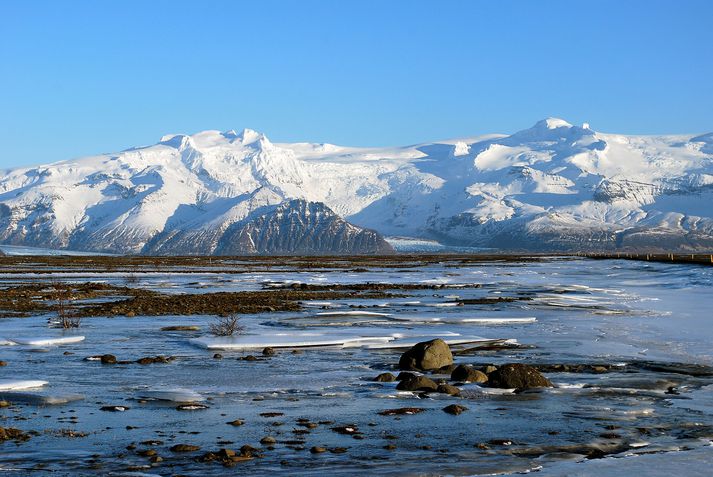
(85, 77)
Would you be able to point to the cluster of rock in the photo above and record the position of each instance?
(435, 356)
(111, 359)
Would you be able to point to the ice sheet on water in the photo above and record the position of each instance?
(20, 384)
(286, 340)
(172, 394)
(469, 320)
(353, 313)
(39, 399)
(47, 341)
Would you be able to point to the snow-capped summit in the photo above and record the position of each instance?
(552, 186)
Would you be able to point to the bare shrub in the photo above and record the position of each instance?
(226, 326)
(64, 319)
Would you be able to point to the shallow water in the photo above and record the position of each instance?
(611, 312)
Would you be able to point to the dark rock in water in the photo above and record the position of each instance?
(402, 411)
(3, 363)
(10, 433)
(114, 408)
(181, 328)
(426, 356)
(417, 383)
(517, 376)
(405, 375)
(455, 409)
(448, 389)
(249, 357)
(107, 359)
(468, 373)
(268, 440)
(155, 359)
(236, 422)
(385, 378)
(184, 448)
(318, 450)
(347, 430)
(268, 351)
(445, 369)
(217, 356)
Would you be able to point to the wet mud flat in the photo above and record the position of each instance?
(554, 361)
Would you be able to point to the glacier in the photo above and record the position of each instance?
(552, 187)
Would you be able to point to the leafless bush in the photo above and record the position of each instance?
(64, 316)
(226, 326)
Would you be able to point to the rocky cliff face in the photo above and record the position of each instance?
(300, 227)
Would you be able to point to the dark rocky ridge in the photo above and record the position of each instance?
(295, 227)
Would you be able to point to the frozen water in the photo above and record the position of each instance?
(615, 313)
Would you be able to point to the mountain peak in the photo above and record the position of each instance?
(551, 123)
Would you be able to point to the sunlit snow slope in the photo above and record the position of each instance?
(551, 187)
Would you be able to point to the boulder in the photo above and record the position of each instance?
(518, 376)
(448, 389)
(454, 409)
(426, 356)
(468, 373)
(417, 383)
(385, 378)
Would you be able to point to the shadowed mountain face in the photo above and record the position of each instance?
(293, 227)
(554, 186)
(300, 227)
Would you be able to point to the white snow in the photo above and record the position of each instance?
(20, 384)
(47, 340)
(553, 177)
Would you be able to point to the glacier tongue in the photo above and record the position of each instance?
(554, 186)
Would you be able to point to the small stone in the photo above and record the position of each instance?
(4, 404)
(455, 409)
(385, 378)
(181, 328)
(489, 369)
(156, 459)
(237, 422)
(402, 411)
(114, 408)
(108, 359)
(184, 448)
(268, 440)
(3, 363)
(217, 356)
(268, 351)
(318, 450)
(147, 453)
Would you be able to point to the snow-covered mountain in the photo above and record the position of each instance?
(554, 186)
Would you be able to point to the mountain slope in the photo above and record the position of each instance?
(554, 186)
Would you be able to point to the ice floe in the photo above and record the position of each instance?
(47, 341)
(20, 384)
(173, 394)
